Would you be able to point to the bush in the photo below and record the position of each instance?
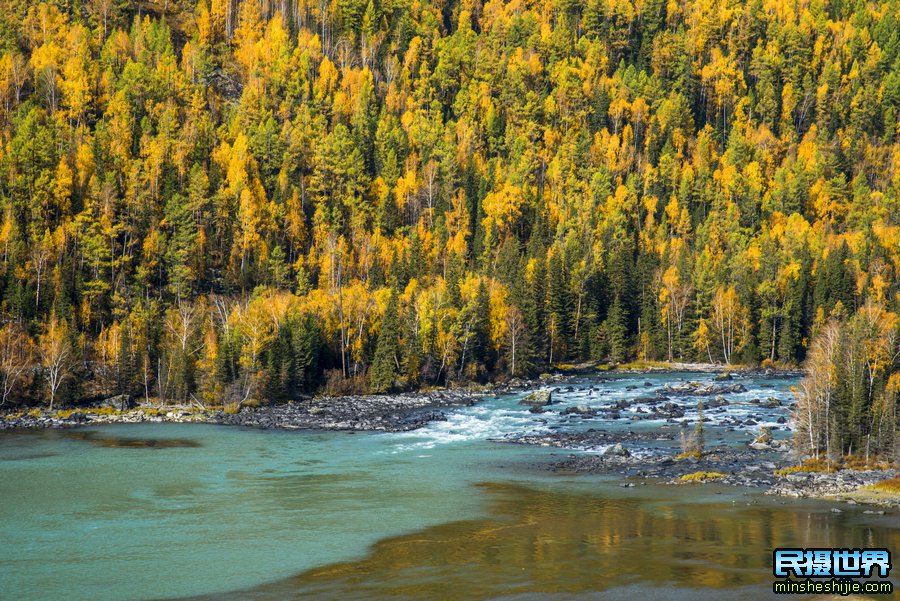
(688, 455)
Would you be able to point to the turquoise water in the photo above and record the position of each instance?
(179, 510)
(88, 519)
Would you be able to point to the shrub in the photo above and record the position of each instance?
(688, 455)
(701, 477)
(809, 465)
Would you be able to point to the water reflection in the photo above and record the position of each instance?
(571, 545)
(102, 439)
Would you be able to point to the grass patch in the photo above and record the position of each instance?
(891, 486)
(810, 465)
(862, 464)
(231, 408)
(701, 477)
(103, 411)
(644, 364)
(853, 462)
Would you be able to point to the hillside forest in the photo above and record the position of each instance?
(235, 201)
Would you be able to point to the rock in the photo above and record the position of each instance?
(698, 389)
(120, 402)
(723, 377)
(578, 409)
(719, 401)
(538, 397)
(536, 409)
(650, 400)
(781, 420)
(836, 510)
(616, 450)
(771, 403)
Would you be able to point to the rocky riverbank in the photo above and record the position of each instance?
(390, 413)
(610, 454)
(758, 465)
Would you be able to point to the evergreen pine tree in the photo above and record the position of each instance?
(617, 331)
(559, 308)
(386, 361)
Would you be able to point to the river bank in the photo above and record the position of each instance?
(389, 413)
(766, 469)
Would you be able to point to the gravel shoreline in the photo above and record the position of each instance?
(388, 413)
(750, 467)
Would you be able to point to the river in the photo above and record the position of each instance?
(162, 511)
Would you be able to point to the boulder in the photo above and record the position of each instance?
(616, 450)
(578, 410)
(120, 402)
(698, 389)
(537, 397)
(650, 400)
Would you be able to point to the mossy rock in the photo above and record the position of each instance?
(538, 398)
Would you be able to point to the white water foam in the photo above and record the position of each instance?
(474, 423)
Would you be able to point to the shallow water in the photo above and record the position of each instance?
(181, 510)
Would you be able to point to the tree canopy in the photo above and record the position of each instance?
(250, 199)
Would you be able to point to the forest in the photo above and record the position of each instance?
(235, 201)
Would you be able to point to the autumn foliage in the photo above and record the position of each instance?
(224, 201)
